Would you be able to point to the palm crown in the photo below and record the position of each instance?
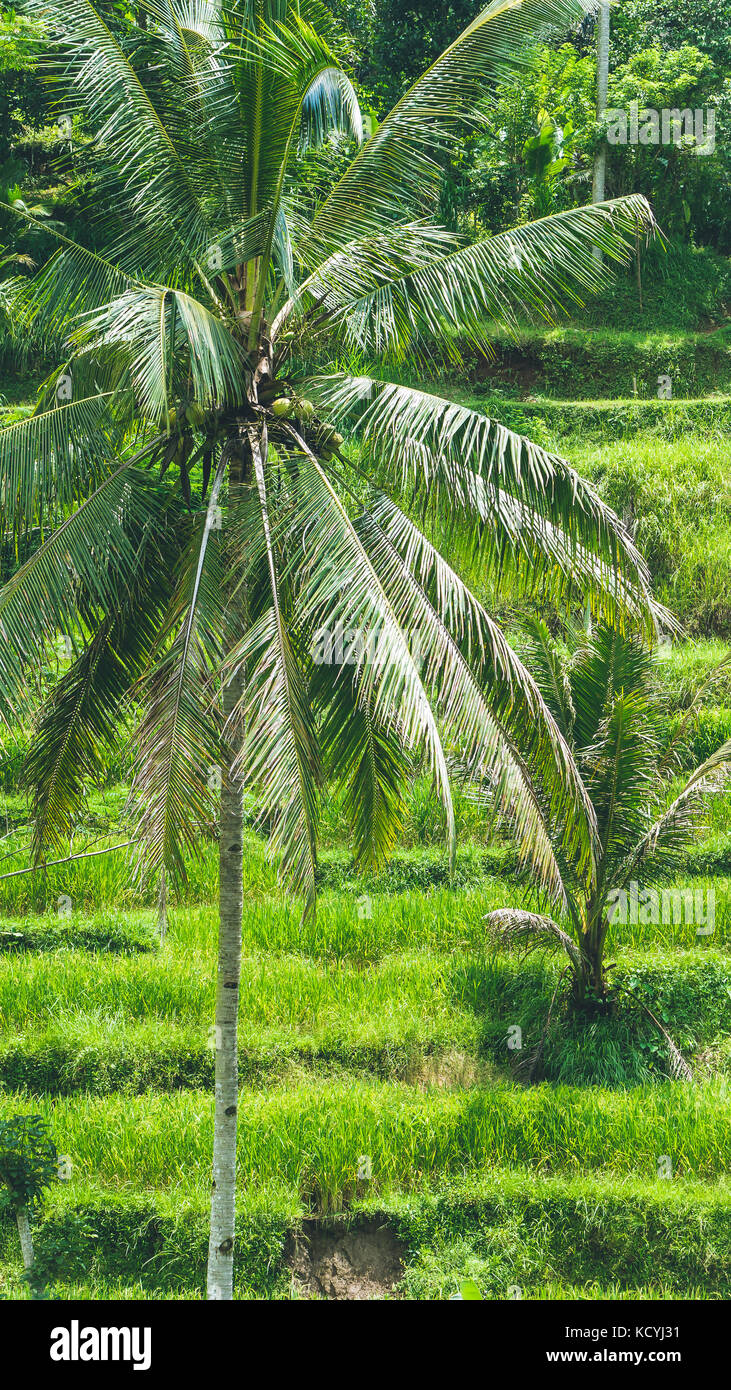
(197, 530)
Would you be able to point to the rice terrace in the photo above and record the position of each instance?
(365, 653)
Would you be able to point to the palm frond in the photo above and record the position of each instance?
(413, 295)
(49, 460)
(343, 591)
(153, 170)
(280, 756)
(367, 757)
(617, 770)
(74, 280)
(177, 743)
(551, 674)
(141, 327)
(306, 97)
(512, 925)
(608, 664)
(80, 723)
(87, 564)
(674, 828)
(323, 98)
(488, 703)
(431, 444)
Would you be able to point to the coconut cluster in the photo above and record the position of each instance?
(322, 435)
(283, 403)
(185, 415)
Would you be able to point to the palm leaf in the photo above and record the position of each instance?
(401, 296)
(675, 826)
(498, 720)
(49, 460)
(137, 326)
(367, 757)
(343, 591)
(80, 724)
(429, 443)
(152, 170)
(280, 754)
(177, 743)
(72, 571)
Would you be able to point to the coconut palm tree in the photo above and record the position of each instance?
(601, 697)
(199, 529)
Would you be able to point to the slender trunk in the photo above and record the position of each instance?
(602, 82)
(223, 1188)
(590, 985)
(26, 1239)
(162, 907)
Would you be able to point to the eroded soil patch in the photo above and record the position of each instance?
(329, 1259)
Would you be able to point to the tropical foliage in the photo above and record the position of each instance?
(192, 518)
(602, 699)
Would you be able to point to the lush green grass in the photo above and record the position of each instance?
(683, 287)
(363, 920)
(385, 1036)
(142, 1244)
(381, 1028)
(560, 1236)
(75, 1023)
(678, 500)
(686, 667)
(567, 1237)
(32, 905)
(103, 931)
(605, 420)
(310, 1135)
(579, 363)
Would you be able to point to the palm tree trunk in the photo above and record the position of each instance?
(230, 872)
(602, 82)
(223, 1188)
(590, 985)
(26, 1239)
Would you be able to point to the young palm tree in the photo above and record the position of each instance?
(602, 701)
(194, 519)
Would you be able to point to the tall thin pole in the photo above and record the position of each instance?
(602, 83)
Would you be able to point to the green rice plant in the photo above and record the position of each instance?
(312, 1136)
(588, 1232)
(104, 931)
(141, 1244)
(73, 1024)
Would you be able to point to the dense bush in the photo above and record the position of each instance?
(579, 364)
(530, 1233)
